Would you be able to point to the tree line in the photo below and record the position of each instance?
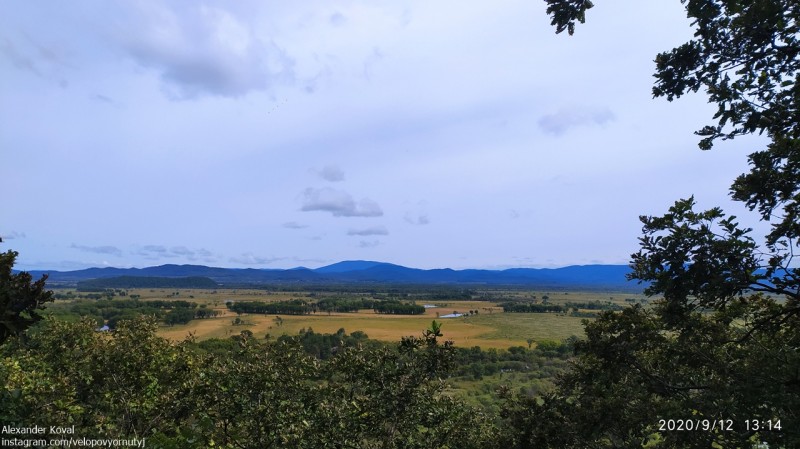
(111, 312)
(574, 307)
(145, 282)
(398, 308)
(290, 307)
(302, 307)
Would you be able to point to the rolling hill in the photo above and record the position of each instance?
(367, 272)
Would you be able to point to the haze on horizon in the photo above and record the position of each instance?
(429, 135)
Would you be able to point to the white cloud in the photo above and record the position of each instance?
(204, 50)
(338, 203)
(374, 230)
(153, 251)
(251, 259)
(112, 250)
(11, 235)
(21, 61)
(337, 19)
(417, 219)
(102, 98)
(558, 123)
(294, 225)
(331, 173)
(182, 251)
(206, 255)
(156, 252)
(366, 244)
(418, 215)
(27, 54)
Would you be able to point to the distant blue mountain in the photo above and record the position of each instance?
(348, 265)
(366, 272)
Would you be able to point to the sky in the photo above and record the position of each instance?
(460, 134)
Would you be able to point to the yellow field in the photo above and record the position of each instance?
(488, 330)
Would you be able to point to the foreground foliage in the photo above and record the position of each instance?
(20, 298)
(132, 383)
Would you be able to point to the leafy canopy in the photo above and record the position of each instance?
(252, 394)
(20, 298)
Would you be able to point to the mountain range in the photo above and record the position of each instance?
(369, 272)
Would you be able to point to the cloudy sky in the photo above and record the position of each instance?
(461, 134)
